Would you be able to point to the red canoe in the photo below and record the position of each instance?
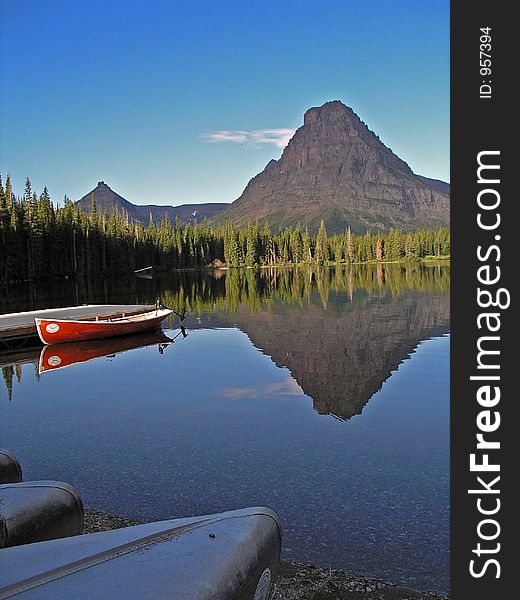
(53, 331)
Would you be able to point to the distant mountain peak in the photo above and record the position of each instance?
(106, 199)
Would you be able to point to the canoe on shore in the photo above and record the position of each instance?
(53, 331)
(227, 556)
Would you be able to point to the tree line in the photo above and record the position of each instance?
(40, 240)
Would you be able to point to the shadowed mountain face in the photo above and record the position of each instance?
(341, 356)
(334, 168)
(107, 199)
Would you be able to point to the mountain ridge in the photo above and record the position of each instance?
(107, 199)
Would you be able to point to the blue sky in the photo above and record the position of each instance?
(171, 102)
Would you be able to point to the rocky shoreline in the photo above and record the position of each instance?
(297, 581)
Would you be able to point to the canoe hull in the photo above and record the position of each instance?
(10, 469)
(54, 331)
(33, 511)
(228, 556)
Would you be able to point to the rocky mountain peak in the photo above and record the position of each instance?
(338, 136)
(330, 110)
(335, 168)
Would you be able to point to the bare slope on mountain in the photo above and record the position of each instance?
(334, 168)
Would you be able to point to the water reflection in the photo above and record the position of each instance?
(59, 356)
(201, 291)
(340, 332)
(340, 357)
(231, 416)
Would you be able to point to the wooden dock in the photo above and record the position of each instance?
(14, 326)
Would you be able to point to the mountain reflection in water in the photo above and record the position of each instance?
(340, 332)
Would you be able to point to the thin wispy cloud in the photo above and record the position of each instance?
(288, 387)
(239, 392)
(253, 139)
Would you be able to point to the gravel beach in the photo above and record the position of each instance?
(297, 581)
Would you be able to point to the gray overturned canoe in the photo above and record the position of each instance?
(227, 556)
(33, 511)
(10, 469)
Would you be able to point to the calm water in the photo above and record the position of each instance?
(323, 395)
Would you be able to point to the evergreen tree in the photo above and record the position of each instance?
(306, 242)
(379, 249)
(297, 246)
(321, 253)
(251, 257)
(350, 247)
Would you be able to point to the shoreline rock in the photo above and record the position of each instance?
(297, 581)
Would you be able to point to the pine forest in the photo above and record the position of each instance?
(41, 240)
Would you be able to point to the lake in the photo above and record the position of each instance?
(322, 394)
